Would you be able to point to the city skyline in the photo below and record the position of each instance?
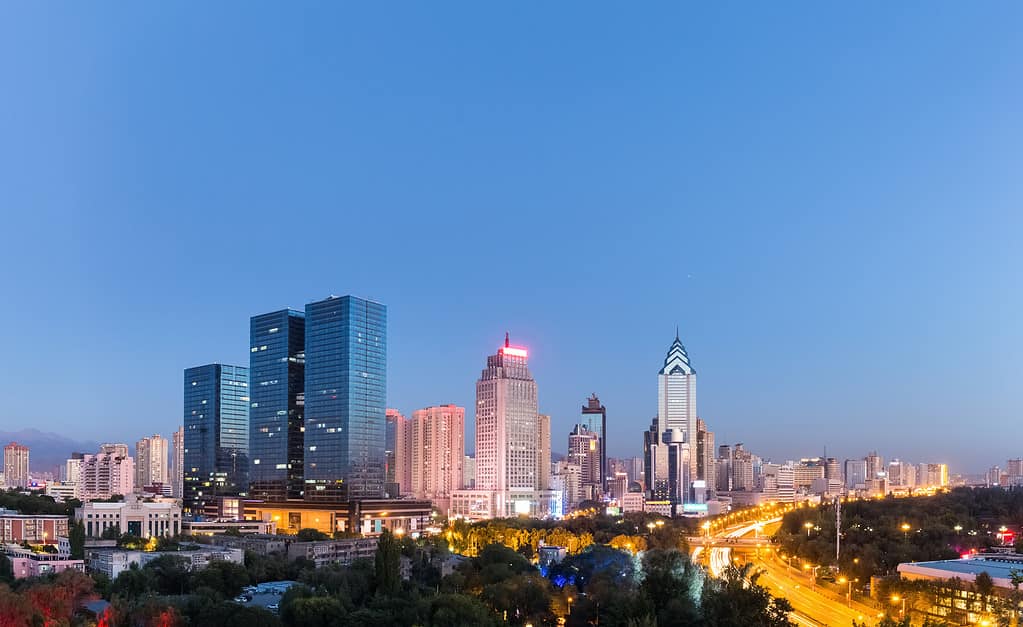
(825, 201)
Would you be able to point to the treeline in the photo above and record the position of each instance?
(415, 583)
(633, 532)
(875, 542)
(37, 503)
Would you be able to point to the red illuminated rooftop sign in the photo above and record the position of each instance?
(514, 352)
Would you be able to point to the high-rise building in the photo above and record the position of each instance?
(469, 472)
(584, 451)
(216, 417)
(150, 461)
(855, 473)
(724, 468)
(400, 474)
(670, 444)
(567, 480)
(178, 464)
(506, 423)
(1014, 471)
(742, 468)
(543, 452)
(277, 400)
(508, 477)
(345, 399)
(594, 418)
(109, 472)
(705, 466)
(875, 465)
(438, 452)
(73, 467)
(16, 465)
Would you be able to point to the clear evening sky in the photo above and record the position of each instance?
(825, 199)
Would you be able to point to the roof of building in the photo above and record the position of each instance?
(677, 360)
(998, 567)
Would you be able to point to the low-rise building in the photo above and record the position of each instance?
(344, 551)
(145, 519)
(16, 528)
(62, 490)
(213, 528)
(366, 517)
(954, 596)
(112, 562)
(29, 563)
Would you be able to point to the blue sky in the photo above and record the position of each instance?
(825, 199)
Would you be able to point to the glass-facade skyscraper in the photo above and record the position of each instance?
(216, 433)
(345, 398)
(277, 393)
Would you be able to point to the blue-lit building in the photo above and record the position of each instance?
(277, 392)
(345, 399)
(216, 433)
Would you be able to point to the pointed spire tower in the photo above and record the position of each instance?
(674, 429)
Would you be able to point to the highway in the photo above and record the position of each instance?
(811, 609)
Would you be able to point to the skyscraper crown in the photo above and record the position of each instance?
(677, 360)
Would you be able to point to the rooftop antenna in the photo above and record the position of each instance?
(507, 342)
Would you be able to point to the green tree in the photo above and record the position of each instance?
(387, 571)
(6, 570)
(76, 537)
(736, 599)
(309, 534)
(314, 612)
(459, 609)
(226, 579)
(133, 583)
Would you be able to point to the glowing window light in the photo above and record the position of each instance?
(514, 352)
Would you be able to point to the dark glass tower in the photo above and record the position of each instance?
(345, 399)
(216, 433)
(277, 391)
(595, 420)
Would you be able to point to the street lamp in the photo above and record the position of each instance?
(957, 529)
(905, 530)
(706, 527)
(809, 526)
(895, 599)
(848, 594)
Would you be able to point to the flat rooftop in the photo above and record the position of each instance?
(998, 566)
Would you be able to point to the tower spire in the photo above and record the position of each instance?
(507, 341)
(676, 333)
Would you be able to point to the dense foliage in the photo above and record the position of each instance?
(874, 541)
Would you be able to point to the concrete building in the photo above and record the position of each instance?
(584, 452)
(109, 472)
(62, 490)
(28, 563)
(16, 465)
(932, 475)
(543, 452)
(705, 466)
(112, 561)
(469, 472)
(437, 452)
(342, 552)
(508, 476)
(364, 516)
(855, 473)
(139, 518)
(16, 528)
(401, 427)
(954, 599)
(151, 461)
(178, 464)
(567, 479)
(670, 444)
(594, 418)
(73, 467)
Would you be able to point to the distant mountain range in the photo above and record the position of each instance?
(46, 451)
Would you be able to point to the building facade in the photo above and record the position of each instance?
(345, 399)
(508, 432)
(543, 452)
(670, 443)
(594, 418)
(16, 465)
(144, 519)
(399, 442)
(178, 463)
(277, 405)
(151, 457)
(16, 528)
(216, 415)
(438, 452)
(109, 472)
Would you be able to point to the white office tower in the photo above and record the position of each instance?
(150, 461)
(670, 445)
(509, 479)
(178, 465)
